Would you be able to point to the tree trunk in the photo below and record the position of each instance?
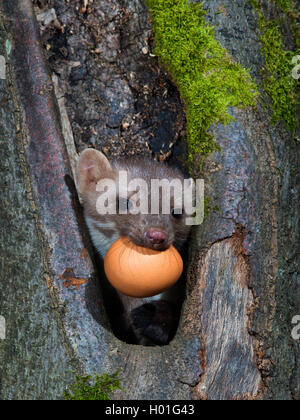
(234, 339)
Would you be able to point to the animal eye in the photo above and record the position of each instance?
(177, 213)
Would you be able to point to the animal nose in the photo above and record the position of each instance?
(156, 236)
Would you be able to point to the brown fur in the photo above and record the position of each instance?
(93, 166)
(155, 317)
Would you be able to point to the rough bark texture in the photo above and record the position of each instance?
(234, 339)
(118, 99)
(258, 188)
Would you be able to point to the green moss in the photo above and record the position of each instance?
(278, 82)
(209, 208)
(287, 6)
(208, 78)
(93, 388)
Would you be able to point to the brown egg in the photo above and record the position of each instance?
(141, 272)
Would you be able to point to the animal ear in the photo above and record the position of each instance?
(91, 167)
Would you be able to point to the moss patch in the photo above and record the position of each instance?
(208, 78)
(93, 388)
(287, 6)
(277, 73)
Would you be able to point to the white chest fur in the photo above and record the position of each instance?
(101, 241)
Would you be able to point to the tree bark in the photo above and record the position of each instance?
(234, 339)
